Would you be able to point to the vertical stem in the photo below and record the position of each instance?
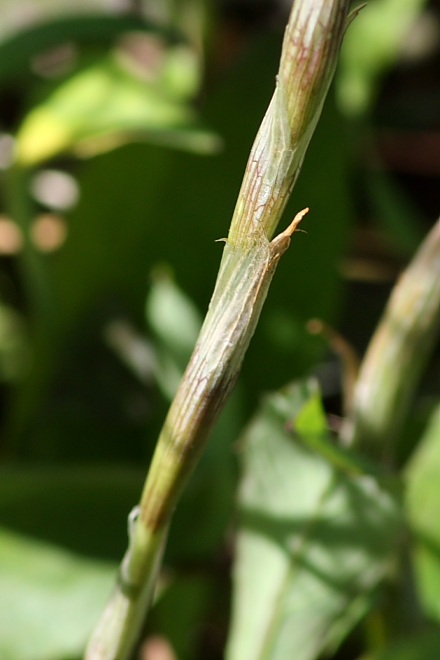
(310, 49)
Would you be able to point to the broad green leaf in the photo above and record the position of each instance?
(107, 105)
(370, 46)
(49, 599)
(314, 541)
(423, 506)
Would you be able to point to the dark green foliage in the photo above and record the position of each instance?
(95, 334)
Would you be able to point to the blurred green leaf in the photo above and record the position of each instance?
(423, 506)
(49, 599)
(102, 107)
(422, 646)
(395, 212)
(172, 315)
(370, 46)
(180, 610)
(17, 50)
(82, 508)
(314, 542)
(176, 322)
(19, 13)
(15, 355)
(85, 508)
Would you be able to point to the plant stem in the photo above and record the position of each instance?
(398, 351)
(310, 49)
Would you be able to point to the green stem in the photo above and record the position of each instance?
(241, 288)
(310, 49)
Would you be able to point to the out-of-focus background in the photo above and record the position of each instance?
(125, 127)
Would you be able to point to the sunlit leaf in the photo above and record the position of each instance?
(49, 599)
(104, 106)
(423, 506)
(314, 540)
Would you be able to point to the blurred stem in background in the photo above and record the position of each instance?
(397, 353)
(309, 56)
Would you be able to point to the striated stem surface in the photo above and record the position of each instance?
(308, 60)
(310, 50)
